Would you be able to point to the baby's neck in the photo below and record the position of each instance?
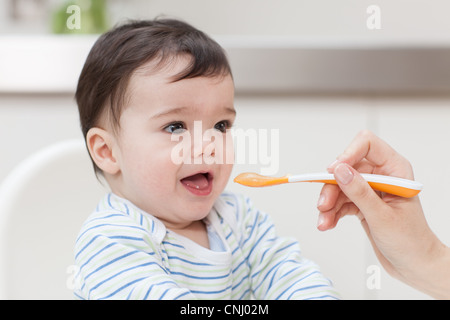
(196, 232)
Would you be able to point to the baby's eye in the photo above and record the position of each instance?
(176, 127)
(222, 126)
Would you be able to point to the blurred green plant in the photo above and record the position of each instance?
(89, 15)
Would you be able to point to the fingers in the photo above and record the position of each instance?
(367, 145)
(351, 196)
(329, 219)
(328, 197)
(367, 153)
(333, 205)
(358, 190)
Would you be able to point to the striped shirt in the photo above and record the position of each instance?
(125, 253)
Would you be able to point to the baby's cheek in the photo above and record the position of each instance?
(222, 177)
(161, 178)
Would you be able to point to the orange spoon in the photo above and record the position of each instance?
(396, 186)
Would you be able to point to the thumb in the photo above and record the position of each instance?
(358, 190)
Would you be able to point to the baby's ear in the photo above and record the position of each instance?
(100, 144)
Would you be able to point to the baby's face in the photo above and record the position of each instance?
(159, 116)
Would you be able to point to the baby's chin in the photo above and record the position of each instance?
(199, 213)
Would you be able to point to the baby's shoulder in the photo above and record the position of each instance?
(116, 217)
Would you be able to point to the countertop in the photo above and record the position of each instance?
(52, 64)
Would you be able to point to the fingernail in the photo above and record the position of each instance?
(321, 220)
(343, 174)
(331, 165)
(321, 200)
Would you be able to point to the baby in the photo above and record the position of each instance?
(167, 230)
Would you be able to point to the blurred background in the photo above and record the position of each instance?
(318, 71)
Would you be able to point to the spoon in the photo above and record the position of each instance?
(396, 186)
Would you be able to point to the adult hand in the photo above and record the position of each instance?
(396, 226)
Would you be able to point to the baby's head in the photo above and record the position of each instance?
(144, 86)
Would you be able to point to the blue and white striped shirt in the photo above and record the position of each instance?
(125, 253)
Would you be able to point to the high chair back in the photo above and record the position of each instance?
(43, 203)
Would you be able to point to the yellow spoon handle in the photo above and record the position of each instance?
(383, 187)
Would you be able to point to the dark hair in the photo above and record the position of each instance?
(103, 82)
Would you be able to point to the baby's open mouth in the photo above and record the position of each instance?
(199, 183)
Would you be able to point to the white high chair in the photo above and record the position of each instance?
(43, 203)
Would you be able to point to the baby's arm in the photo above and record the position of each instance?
(278, 270)
(120, 262)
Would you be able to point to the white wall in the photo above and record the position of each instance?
(412, 19)
(345, 18)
